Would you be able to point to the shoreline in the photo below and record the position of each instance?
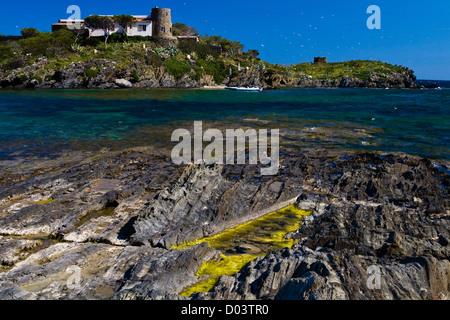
(418, 85)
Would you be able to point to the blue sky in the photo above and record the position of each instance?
(413, 33)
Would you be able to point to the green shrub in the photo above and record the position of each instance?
(134, 76)
(177, 68)
(5, 52)
(231, 48)
(200, 49)
(180, 29)
(38, 79)
(64, 37)
(117, 38)
(36, 45)
(138, 55)
(139, 39)
(154, 60)
(92, 42)
(29, 32)
(14, 63)
(49, 44)
(215, 68)
(121, 38)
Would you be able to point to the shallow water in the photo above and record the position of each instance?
(41, 123)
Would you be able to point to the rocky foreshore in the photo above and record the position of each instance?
(105, 74)
(115, 216)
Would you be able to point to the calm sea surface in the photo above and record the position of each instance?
(40, 123)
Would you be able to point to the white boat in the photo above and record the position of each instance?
(245, 88)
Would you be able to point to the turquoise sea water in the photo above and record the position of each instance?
(40, 123)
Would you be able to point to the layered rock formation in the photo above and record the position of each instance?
(270, 80)
(116, 216)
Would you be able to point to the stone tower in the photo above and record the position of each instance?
(161, 22)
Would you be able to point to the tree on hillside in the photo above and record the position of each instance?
(180, 29)
(104, 23)
(55, 44)
(125, 21)
(229, 47)
(29, 32)
(211, 40)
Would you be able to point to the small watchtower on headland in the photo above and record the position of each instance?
(161, 22)
(320, 60)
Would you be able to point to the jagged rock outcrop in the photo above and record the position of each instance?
(378, 216)
(208, 200)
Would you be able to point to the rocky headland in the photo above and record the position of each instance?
(118, 215)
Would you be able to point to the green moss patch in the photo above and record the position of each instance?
(260, 237)
(45, 201)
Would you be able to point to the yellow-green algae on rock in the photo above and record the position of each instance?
(45, 201)
(255, 238)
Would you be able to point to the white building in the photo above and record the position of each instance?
(141, 27)
(158, 24)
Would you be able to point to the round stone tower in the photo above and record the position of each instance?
(161, 22)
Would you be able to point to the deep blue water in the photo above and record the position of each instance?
(41, 122)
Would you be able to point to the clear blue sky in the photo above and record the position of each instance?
(413, 33)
